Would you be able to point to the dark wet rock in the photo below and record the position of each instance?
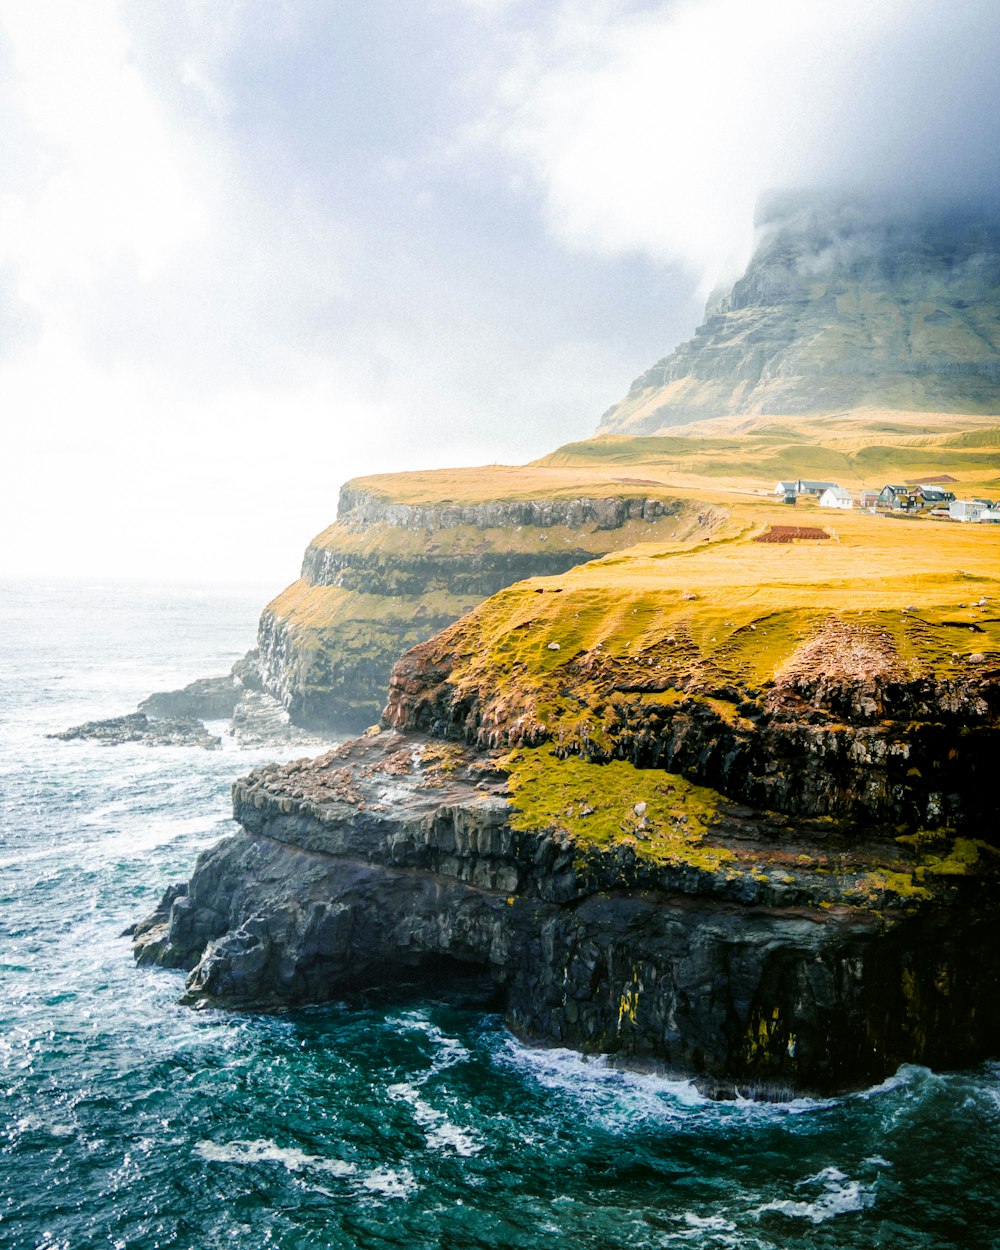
(207, 698)
(394, 856)
(137, 727)
(246, 671)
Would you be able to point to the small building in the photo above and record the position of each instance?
(803, 487)
(836, 497)
(934, 493)
(933, 496)
(894, 497)
(868, 499)
(785, 488)
(966, 510)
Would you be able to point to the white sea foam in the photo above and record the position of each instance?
(40, 1124)
(390, 1182)
(614, 1096)
(838, 1196)
(439, 1132)
(908, 1074)
(263, 1151)
(449, 1049)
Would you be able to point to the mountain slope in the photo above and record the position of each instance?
(842, 306)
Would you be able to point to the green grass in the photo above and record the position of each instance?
(595, 804)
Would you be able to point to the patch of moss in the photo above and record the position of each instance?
(662, 816)
(944, 856)
(442, 757)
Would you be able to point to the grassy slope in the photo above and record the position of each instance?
(853, 449)
(730, 465)
(733, 609)
(728, 609)
(756, 605)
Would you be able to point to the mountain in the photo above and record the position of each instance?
(699, 779)
(844, 305)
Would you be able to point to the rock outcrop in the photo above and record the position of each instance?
(844, 305)
(397, 856)
(723, 807)
(390, 574)
(168, 731)
(206, 698)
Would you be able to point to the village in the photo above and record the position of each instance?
(930, 499)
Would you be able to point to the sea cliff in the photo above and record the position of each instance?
(393, 859)
(391, 573)
(721, 808)
(701, 781)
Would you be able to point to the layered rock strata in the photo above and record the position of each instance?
(388, 575)
(397, 856)
(844, 731)
(844, 304)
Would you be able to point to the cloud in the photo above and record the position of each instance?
(654, 128)
(105, 176)
(248, 250)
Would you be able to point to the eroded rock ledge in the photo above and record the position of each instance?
(388, 575)
(745, 955)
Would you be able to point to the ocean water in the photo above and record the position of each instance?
(132, 1123)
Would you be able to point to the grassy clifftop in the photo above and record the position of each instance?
(856, 449)
(735, 610)
(417, 550)
(852, 674)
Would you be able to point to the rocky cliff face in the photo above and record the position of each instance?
(388, 575)
(725, 807)
(843, 305)
(843, 732)
(395, 857)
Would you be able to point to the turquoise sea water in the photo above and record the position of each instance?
(129, 1122)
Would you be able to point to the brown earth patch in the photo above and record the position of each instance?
(847, 653)
(790, 533)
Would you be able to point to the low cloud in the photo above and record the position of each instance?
(654, 128)
(247, 251)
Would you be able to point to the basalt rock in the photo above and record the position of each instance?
(389, 575)
(844, 731)
(137, 727)
(207, 698)
(396, 855)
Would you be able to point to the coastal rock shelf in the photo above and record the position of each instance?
(745, 956)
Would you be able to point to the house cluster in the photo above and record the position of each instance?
(927, 498)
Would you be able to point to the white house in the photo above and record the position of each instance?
(965, 510)
(836, 497)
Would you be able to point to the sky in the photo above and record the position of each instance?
(252, 248)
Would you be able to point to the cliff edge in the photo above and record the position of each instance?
(722, 808)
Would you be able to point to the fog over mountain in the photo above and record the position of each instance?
(247, 251)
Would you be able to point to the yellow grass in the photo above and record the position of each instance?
(732, 455)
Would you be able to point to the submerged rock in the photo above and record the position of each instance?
(137, 727)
